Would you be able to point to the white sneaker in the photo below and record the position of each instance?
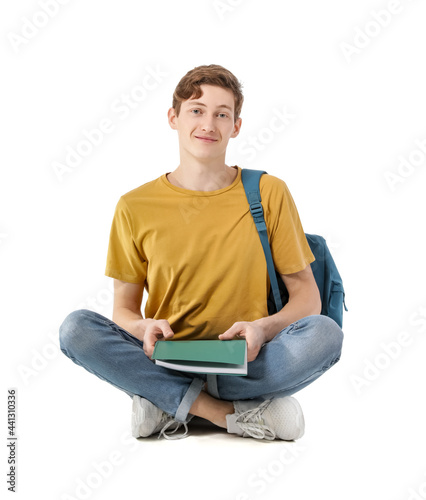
(147, 419)
(280, 418)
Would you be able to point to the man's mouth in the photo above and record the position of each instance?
(206, 139)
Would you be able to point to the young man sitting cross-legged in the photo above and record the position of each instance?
(189, 240)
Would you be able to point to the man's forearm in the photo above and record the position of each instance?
(296, 308)
(131, 321)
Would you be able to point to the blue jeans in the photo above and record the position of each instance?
(294, 358)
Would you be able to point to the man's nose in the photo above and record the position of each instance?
(208, 123)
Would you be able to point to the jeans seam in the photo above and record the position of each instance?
(315, 374)
(94, 372)
(117, 328)
(291, 327)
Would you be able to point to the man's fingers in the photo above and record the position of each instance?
(149, 349)
(165, 329)
(231, 332)
(227, 335)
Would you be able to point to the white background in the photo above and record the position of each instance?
(353, 117)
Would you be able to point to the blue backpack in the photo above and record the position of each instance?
(324, 269)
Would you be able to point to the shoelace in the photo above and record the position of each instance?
(169, 435)
(252, 423)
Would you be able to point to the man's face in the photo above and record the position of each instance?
(206, 124)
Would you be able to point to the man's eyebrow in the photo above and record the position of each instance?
(197, 103)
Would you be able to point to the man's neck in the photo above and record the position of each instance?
(198, 176)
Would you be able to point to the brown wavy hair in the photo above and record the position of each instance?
(212, 74)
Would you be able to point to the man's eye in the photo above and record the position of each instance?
(223, 115)
(196, 111)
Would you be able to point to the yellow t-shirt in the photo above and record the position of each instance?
(199, 254)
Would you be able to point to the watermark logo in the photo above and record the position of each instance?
(100, 302)
(280, 120)
(42, 357)
(101, 471)
(224, 7)
(32, 26)
(419, 493)
(193, 208)
(389, 352)
(380, 19)
(39, 359)
(121, 107)
(267, 475)
(407, 165)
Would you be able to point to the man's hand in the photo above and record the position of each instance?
(251, 332)
(155, 329)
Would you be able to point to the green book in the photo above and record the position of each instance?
(220, 357)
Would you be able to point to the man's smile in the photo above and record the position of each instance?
(206, 139)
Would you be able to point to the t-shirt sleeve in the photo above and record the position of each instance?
(290, 249)
(125, 260)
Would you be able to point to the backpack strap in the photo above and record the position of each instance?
(250, 179)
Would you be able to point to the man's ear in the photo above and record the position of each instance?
(237, 127)
(171, 115)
